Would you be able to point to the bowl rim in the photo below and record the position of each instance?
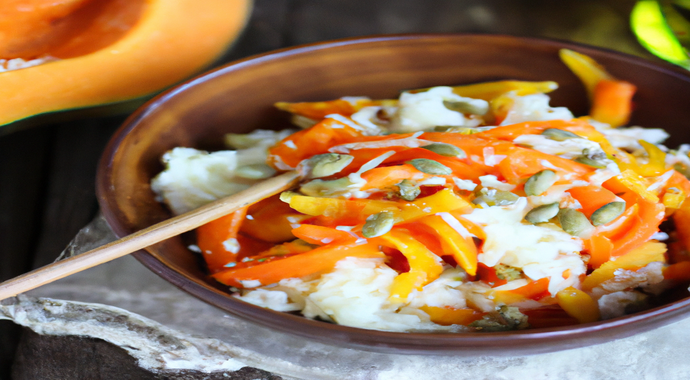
(531, 341)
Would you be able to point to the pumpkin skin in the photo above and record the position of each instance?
(171, 40)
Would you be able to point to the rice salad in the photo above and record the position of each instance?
(470, 208)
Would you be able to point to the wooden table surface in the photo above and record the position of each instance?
(47, 173)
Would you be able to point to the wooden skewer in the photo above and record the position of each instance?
(148, 236)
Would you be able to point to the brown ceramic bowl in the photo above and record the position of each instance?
(238, 98)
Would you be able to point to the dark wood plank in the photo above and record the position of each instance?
(70, 202)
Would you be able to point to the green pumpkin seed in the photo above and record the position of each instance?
(495, 197)
(408, 190)
(590, 162)
(471, 107)
(447, 150)
(506, 272)
(607, 213)
(321, 188)
(428, 166)
(559, 134)
(378, 224)
(542, 214)
(573, 221)
(257, 171)
(327, 164)
(540, 182)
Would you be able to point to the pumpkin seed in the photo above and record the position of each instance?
(257, 171)
(542, 214)
(607, 213)
(573, 221)
(378, 224)
(506, 272)
(559, 134)
(540, 182)
(493, 197)
(471, 107)
(408, 190)
(590, 162)
(324, 165)
(447, 150)
(428, 166)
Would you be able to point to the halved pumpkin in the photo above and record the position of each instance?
(107, 51)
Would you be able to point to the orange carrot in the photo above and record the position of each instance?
(522, 163)
(535, 290)
(600, 249)
(271, 220)
(217, 240)
(592, 198)
(651, 215)
(612, 102)
(447, 316)
(317, 261)
(322, 235)
(678, 271)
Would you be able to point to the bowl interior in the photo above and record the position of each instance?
(239, 98)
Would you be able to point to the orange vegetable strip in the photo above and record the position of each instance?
(612, 102)
(317, 261)
(322, 235)
(680, 182)
(473, 228)
(447, 316)
(459, 168)
(389, 176)
(651, 215)
(592, 198)
(214, 240)
(579, 305)
(460, 246)
(600, 249)
(639, 257)
(309, 142)
(621, 225)
(488, 275)
(522, 163)
(271, 220)
(534, 290)
(678, 271)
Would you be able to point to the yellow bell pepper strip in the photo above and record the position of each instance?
(611, 99)
(588, 70)
(319, 110)
(681, 218)
(491, 90)
(459, 244)
(447, 316)
(657, 161)
(217, 240)
(639, 257)
(359, 209)
(612, 102)
(316, 261)
(317, 139)
(673, 199)
(499, 108)
(678, 272)
(320, 235)
(424, 265)
(629, 186)
(578, 305)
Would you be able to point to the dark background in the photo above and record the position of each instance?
(47, 173)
